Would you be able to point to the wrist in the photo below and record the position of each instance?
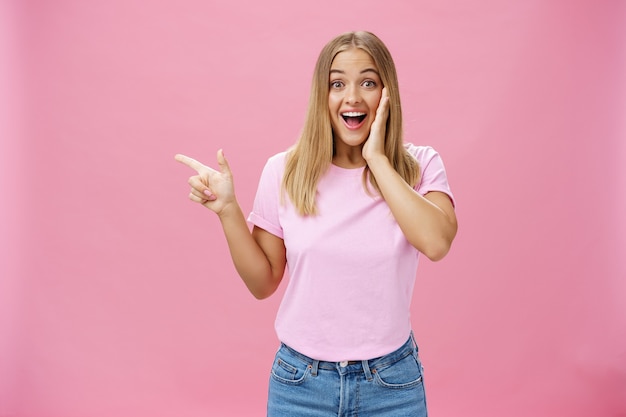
(229, 210)
(377, 160)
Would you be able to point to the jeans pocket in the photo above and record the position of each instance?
(284, 370)
(405, 373)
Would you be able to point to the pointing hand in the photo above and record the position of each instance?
(213, 189)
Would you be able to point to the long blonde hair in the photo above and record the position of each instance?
(312, 154)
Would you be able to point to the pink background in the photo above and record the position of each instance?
(117, 295)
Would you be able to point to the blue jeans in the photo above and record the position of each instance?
(391, 385)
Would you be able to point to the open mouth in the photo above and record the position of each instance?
(353, 119)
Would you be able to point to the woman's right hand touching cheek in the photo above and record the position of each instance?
(213, 189)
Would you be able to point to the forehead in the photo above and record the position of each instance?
(353, 58)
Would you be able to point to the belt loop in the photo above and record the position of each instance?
(314, 366)
(415, 348)
(366, 369)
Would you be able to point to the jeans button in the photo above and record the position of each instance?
(343, 364)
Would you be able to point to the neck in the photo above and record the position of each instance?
(349, 158)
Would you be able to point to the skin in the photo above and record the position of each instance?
(355, 86)
(428, 222)
(259, 257)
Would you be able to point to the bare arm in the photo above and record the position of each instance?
(258, 256)
(428, 222)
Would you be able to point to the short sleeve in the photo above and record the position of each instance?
(432, 171)
(265, 210)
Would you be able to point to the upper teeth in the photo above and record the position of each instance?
(353, 114)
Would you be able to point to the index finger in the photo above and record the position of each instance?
(190, 162)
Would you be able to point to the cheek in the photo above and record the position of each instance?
(374, 100)
(377, 99)
(333, 103)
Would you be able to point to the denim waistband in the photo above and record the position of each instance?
(408, 348)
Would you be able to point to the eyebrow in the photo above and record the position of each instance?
(362, 72)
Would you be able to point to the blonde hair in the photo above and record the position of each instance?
(312, 154)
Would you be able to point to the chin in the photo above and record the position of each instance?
(354, 141)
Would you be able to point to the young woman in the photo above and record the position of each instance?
(348, 209)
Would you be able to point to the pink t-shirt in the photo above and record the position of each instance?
(351, 270)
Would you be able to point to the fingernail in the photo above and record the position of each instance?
(208, 193)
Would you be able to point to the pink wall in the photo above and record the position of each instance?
(117, 296)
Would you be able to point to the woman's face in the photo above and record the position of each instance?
(355, 91)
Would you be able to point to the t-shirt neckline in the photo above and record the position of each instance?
(337, 170)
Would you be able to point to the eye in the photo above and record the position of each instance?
(369, 84)
(336, 84)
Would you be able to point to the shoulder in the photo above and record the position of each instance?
(420, 152)
(276, 163)
(273, 171)
(277, 159)
(423, 154)
(433, 175)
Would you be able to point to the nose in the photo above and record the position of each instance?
(353, 95)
